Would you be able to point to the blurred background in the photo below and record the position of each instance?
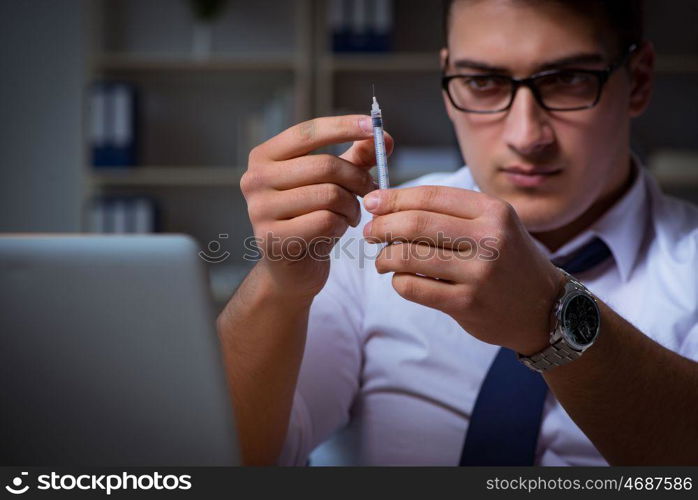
(133, 116)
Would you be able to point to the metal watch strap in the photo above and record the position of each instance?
(556, 354)
(559, 352)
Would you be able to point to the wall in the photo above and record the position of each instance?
(42, 61)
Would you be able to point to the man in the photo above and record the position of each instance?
(407, 348)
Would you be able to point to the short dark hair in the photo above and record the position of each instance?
(624, 17)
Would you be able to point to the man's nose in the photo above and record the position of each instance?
(527, 130)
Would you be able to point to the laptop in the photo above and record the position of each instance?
(109, 354)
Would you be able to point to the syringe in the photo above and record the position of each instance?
(379, 141)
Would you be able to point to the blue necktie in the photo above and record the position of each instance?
(506, 418)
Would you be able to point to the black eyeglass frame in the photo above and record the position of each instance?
(601, 74)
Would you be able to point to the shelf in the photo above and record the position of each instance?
(187, 62)
(681, 64)
(393, 62)
(230, 177)
(190, 176)
(166, 176)
(675, 168)
(429, 62)
(677, 180)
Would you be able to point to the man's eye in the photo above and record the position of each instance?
(482, 83)
(571, 78)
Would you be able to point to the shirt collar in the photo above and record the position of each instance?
(621, 227)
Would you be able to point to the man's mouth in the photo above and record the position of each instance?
(529, 176)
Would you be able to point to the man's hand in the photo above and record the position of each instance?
(300, 204)
(467, 254)
(294, 198)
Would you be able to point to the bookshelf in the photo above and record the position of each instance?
(403, 63)
(407, 80)
(185, 62)
(191, 107)
(192, 176)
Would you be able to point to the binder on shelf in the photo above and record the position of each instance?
(338, 20)
(381, 28)
(123, 215)
(361, 25)
(359, 34)
(113, 137)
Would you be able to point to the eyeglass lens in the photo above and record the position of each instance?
(559, 90)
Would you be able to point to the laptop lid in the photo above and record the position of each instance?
(109, 354)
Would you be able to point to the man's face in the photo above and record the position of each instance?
(584, 153)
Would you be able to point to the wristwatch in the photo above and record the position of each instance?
(575, 324)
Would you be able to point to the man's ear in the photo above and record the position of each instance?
(443, 62)
(641, 79)
(443, 59)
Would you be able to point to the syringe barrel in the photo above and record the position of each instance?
(381, 157)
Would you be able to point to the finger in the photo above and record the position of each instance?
(282, 205)
(363, 152)
(423, 259)
(436, 229)
(449, 200)
(318, 169)
(310, 135)
(306, 228)
(424, 290)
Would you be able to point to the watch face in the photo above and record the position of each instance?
(580, 320)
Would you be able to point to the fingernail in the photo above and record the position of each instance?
(366, 125)
(367, 228)
(371, 201)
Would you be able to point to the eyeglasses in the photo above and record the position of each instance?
(554, 90)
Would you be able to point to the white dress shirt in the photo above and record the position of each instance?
(405, 377)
